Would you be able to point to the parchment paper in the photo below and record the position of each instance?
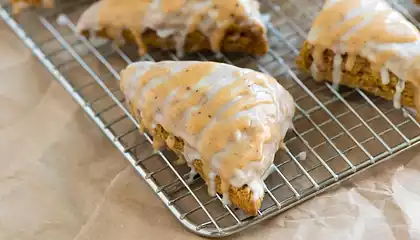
(60, 178)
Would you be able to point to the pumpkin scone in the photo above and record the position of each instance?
(181, 25)
(225, 122)
(365, 44)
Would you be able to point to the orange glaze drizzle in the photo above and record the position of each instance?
(180, 105)
(156, 96)
(202, 116)
(333, 26)
(117, 15)
(169, 6)
(225, 127)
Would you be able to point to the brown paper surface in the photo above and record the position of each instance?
(62, 179)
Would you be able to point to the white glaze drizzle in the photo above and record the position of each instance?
(226, 199)
(211, 184)
(336, 74)
(398, 91)
(385, 76)
(269, 171)
(315, 72)
(257, 187)
(191, 175)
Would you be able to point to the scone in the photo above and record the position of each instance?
(181, 25)
(368, 45)
(19, 5)
(225, 122)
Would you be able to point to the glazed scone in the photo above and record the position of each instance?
(368, 45)
(225, 122)
(181, 25)
(19, 5)
(359, 76)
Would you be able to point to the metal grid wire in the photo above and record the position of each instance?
(342, 132)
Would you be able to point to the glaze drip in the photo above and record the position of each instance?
(398, 91)
(232, 119)
(373, 30)
(385, 76)
(336, 74)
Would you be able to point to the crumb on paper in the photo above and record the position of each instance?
(276, 8)
(218, 55)
(62, 20)
(301, 156)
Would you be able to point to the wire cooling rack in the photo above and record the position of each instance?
(341, 132)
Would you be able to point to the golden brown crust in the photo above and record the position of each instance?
(241, 197)
(361, 76)
(237, 39)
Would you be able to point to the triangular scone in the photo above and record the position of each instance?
(225, 122)
(368, 45)
(183, 25)
(19, 5)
